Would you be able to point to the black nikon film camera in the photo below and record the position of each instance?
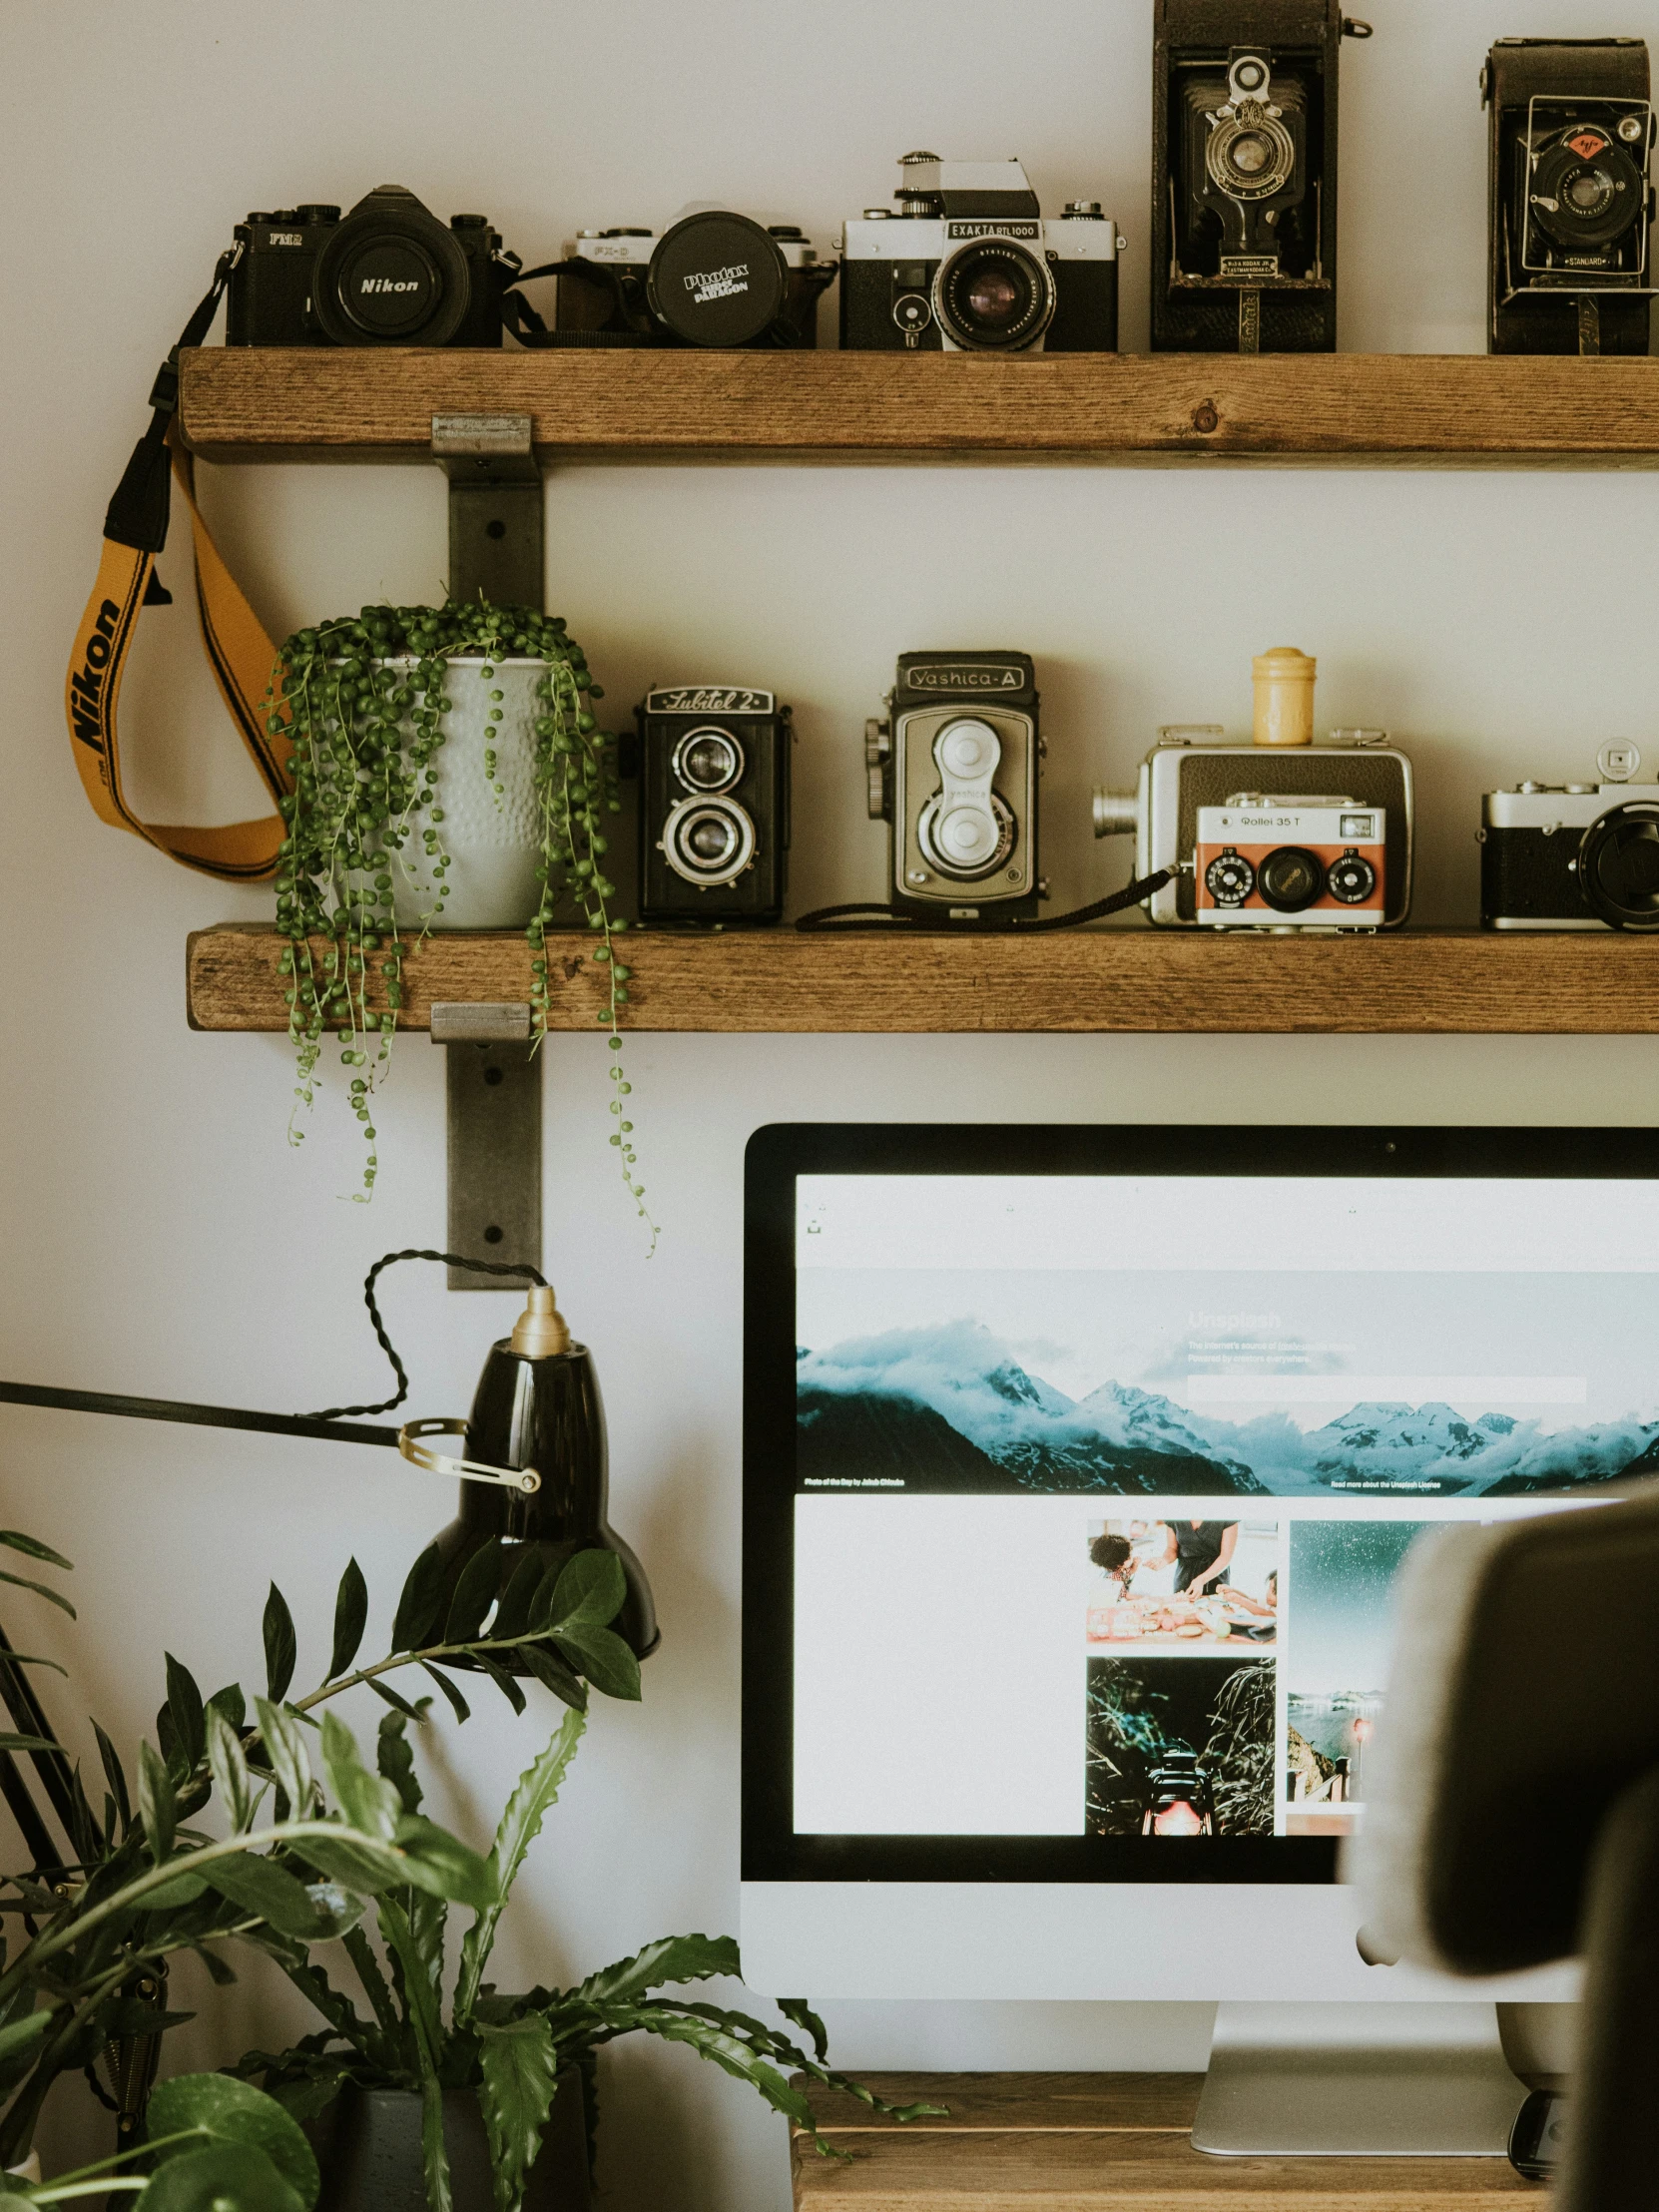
(1574, 855)
(714, 762)
(1571, 204)
(387, 274)
(1244, 174)
(953, 769)
(712, 279)
(967, 264)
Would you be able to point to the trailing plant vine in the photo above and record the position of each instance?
(361, 702)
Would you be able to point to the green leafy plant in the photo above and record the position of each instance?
(215, 2145)
(360, 702)
(303, 1854)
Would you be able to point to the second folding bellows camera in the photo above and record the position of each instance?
(1315, 836)
(966, 264)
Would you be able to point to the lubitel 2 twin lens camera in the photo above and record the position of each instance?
(387, 274)
(964, 262)
(713, 765)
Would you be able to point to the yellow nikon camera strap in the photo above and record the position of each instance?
(239, 652)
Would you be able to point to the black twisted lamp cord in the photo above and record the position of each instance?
(444, 1259)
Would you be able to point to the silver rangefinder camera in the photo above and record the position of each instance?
(1574, 855)
(1305, 837)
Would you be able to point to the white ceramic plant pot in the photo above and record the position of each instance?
(492, 839)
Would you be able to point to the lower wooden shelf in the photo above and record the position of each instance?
(1094, 982)
(1096, 2143)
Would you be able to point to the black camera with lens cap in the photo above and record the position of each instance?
(1570, 197)
(714, 764)
(387, 274)
(1574, 855)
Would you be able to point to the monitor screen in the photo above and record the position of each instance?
(1081, 1465)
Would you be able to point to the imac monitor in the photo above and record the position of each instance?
(1079, 1465)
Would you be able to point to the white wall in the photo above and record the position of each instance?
(160, 1237)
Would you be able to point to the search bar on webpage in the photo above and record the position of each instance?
(1484, 1390)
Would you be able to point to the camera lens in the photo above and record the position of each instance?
(1290, 879)
(1586, 192)
(707, 841)
(390, 275)
(994, 296)
(1618, 868)
(707, 760)
(1249, 154)
(717, 280)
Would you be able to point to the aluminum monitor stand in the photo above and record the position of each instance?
(1356, 2082)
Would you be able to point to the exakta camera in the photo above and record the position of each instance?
(1314, 837)
(712, 279)
(953, 769)
(714, 806)
(1574, 855)
(965, 264)
(1244, 186)
(387, 274)
(1571, 204)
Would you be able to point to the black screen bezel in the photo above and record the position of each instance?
(776, 1156)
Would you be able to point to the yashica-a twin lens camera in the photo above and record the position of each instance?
(1244, 191)
(713, 765)
(1574, 855)
(1571, 201)
(964, 262)
(955, 766)
(387, 274)
(1310, 837)
(712, 278)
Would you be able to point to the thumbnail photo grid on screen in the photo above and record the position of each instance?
(1224, 1481)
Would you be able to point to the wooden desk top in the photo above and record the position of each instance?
(1097, 2143)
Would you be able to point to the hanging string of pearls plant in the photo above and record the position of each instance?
(448, 771)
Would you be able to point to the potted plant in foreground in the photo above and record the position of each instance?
(461, 2093)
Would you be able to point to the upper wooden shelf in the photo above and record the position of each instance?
(256, 403)
(1090, 981)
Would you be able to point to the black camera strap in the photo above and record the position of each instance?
(240, 653)
(836, 918)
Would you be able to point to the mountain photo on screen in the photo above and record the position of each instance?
(1163, 1385)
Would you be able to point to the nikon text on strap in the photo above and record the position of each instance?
(239, 652)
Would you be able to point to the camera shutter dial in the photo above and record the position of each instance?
(994, 296)
(967, 829)
(1353, 881)
(707, 760)
(390, 275)
(1290, 879)
(1618, 867)
(1230, 879)
(708, 841)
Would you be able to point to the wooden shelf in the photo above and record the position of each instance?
(1094, 982)
(1096, 2143)
(256, 403)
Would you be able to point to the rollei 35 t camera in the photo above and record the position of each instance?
(715, 809)
(387, 274)
(1571, 204)
(965, 264)
(1244, 174)
(712, 279)
(1574, 855)
(1307, 837)
(955, 766)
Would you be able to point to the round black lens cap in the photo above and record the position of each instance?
(1290, 879)
(1619, 867)
(717, 280)
(389, 286)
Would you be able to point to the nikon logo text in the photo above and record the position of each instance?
(86, 686)
(391, 284)
(718, 284)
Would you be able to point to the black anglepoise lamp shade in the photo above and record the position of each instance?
(542, 1409)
